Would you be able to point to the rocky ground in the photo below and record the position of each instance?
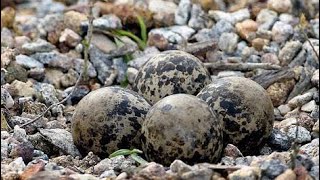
(42, 57)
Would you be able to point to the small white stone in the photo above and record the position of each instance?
(284, 109)
(309, 107)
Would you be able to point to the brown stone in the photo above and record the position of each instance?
(7, 17)
(288, 174)
(32, 170)
(246, 29)
(73, 19)
(258, 43)
(279, 91)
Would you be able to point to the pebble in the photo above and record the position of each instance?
(289, 51)
(6, 98)
(266, 18)
(222, 26)
(39, 45)
(163, 37)
(233, 18)
(80, 92)
(279, 140)
(164, 11)
(316, 127)
(69, 37)
(270, 58)
(28, 62)
(303, 134)
(228, 42)
(24, 89)
(61, 139)
(284, 109)
(315, 27)
(246, 29)
(283, 6)
(108, 174)
(289, 19)
(4, 149)
(245, 173)
(288, 174)
(311, 149)
(7, 16)
(272, 168)
(7, 38)
(73, 20)
(197, 21)
(281, 32)
(222, 74)
(232, 151)
(17, 165)
(121, 67)
(182, 14)
(79, 65)
(107, 22)
(300, 100)
(23, 149)
(15, 72)
(309, 107)
(315, 78)
(279, 91)
(117, 163)
(47, 93)
(259, 43)
(102, 42)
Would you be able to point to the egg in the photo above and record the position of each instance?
(171, 72)
(245, 109)
(108, 119)
(182, 126)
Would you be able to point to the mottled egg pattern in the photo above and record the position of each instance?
(171, 72)
(184, 127)
(109, 119)
(245, 109)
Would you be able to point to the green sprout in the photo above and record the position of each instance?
(132, 153)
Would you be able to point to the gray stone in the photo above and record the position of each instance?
(233, 18)
(178, 166)
(107, 22)
(70, 38)
(314, 172)
(266, 18)
(272, 168)
(222, 74)
(4, 149)
(303, 134)
(174, 34)
(289, 19)
(6, 99)
(279, 140)
(79, 93)
(228, 42)
(61, 139)
(19, 134)
(203, 35)
(289, 51)
(52, 59)
(222, 26)
(182, 14)
(108, 174)
(83, 177)
(281, 32)
(254, 59)
(315, 78)
(315, 27)
(17, 165)
(18, 120)
(121, 67)
(312, 61)
(48, 94)
(49, 7)
(115, 163)
(7, 39)
(284, 109)
(309, 107)
(102, 63)
(79, 65)
(300, 99)
(28, 62)
(197, 20)
(311, 149)
(39, 45)
(299, 60)
(131, 74)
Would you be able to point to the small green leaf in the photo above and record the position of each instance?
(120, 152)
(121, 32)
(143, 29)
(139, 159)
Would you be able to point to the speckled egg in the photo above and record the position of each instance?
(245, 109)
(171, 72)
(184, 127)
(108, 119)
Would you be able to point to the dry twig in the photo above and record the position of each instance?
(241, 66)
